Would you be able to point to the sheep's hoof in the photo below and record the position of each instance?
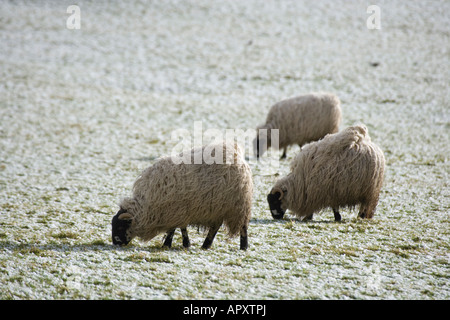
(186, 243)
(337, 216)
(244, 243)
(207, 244)
(167, 243)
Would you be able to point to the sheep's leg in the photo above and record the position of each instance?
(169, 237)
(210, 237)
(283, 156)
(244, 238)
(186, 242)
(337, 216)
(257, 149)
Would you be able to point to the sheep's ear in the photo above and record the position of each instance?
(125, 216)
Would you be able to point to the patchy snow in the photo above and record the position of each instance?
(82, 112)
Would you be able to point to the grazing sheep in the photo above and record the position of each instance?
(167, 196)
(342, 169)
(300, 120)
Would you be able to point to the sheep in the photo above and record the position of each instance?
(342, 169)
(300, 120)
(171, 195)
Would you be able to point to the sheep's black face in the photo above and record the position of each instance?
(121, 222)
(275, 205)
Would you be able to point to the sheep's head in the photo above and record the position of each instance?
(275, 199)
(121, 224)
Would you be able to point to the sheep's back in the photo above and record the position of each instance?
(305, 118)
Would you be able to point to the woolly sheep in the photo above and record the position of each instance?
(300, 120)
(342, 169)
(167, 196)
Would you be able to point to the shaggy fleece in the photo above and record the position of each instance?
(168, 195)
(342, 169)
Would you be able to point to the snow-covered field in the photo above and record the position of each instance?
(82, 112)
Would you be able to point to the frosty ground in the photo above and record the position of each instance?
(82, 112)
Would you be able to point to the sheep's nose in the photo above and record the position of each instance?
(276, 214)
(116, 240)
